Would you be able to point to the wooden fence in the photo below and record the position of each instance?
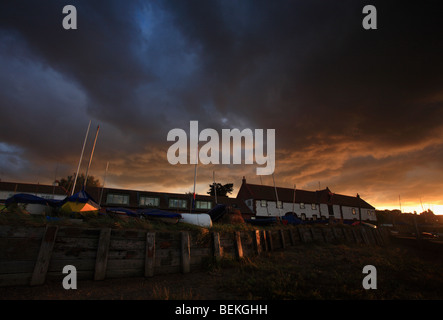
(30, 255)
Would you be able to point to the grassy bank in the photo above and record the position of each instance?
(313, 271)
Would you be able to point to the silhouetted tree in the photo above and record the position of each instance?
(67, 182)
(222, 190)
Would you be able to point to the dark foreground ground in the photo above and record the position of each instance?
(309, 271)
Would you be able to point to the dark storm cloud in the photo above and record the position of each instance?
(334, 92)
(98, 57)
(345, 102)
(311, 65)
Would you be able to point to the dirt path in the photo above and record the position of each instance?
(195, 285)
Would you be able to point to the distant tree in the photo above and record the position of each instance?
(222, 190)
(68, 182)
(428, 213)
(428, 216)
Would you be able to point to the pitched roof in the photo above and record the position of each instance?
(261, 192)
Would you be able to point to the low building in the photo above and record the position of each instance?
(306, 205)
(131, 199)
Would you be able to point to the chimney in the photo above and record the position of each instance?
(243, 181)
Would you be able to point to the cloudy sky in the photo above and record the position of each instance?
(359, 111)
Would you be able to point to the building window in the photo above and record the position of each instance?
(302, 205)
(369, 212)
(177, 203)
(303, 216)
(354, 211)
(279, 205)
(203, 204)
(314, 217)
(122, 199)
(149, 201)
(263, 203)
(313, 206)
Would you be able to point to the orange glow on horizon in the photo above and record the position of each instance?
(410, 208)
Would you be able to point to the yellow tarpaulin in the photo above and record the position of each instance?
(77, 207)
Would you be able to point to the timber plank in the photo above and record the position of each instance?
(150, 254)
(102, 254)
(44, 256)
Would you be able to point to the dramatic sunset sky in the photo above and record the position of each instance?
(355, 110)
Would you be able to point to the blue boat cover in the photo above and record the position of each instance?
(81, 196)
(152, 212)
(126, 211)
(291, 219)
(217, 212)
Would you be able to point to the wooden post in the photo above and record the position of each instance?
(269, 240)
(282, 238)
(323, 233)
(301, 234)
(101, 261)
(355, 236)
(185, 252)
(378, 237)
(257, 244)
(44, 256)
(291, 237)
(265, 241)
(364, 235)
(312, 233)
(238, 246)
(216, 245)
(150, 254)
(335, 233)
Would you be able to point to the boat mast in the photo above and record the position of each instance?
(104, 180)
(81, 157)
(214, 186)
(276, 195)
(90, 158)
(195, 178)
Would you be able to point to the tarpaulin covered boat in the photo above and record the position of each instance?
(80, 202)
(122, 212)
(32, 204)
(156, 214)
(217, 212)
(198, 219)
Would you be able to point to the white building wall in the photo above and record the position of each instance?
(324, 210)
(366, 214)
(271, 210)
(336, 209)
(350, 213)
(4, 195)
